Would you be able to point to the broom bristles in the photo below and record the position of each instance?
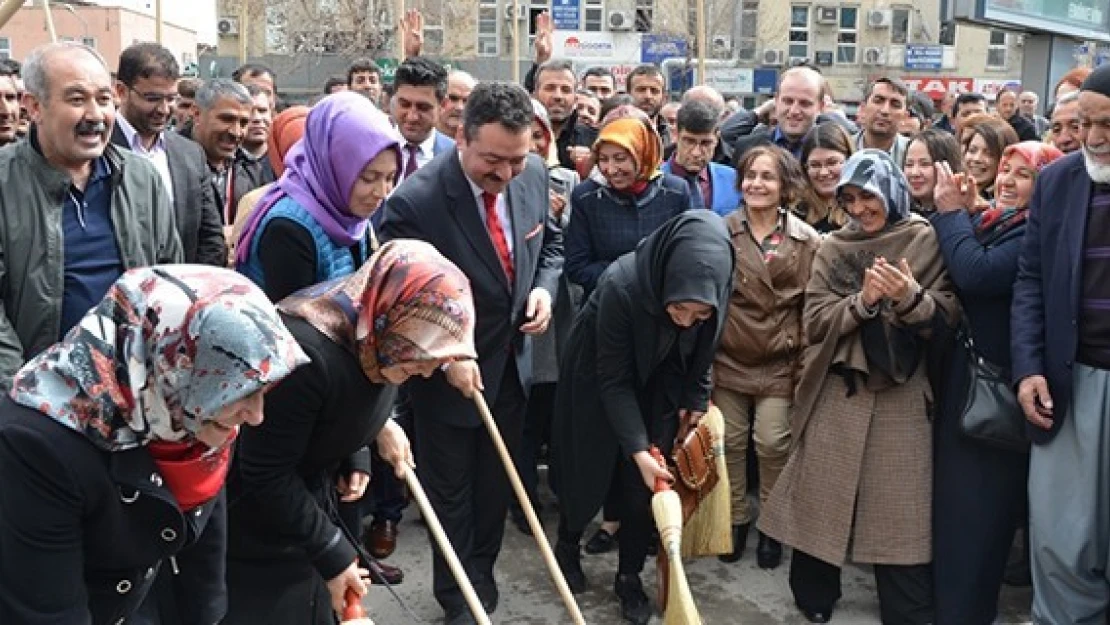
(680, 608)
(708, 532)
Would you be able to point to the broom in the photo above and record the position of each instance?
(675, 599)
(708, 532)
(353, 614)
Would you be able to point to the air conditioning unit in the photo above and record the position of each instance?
(824, 58)
(874, 56)
(879, 18)
(227, 26)
(512, 11)
(721, 45)
(774, 57)
(826, 15)
(620, 20)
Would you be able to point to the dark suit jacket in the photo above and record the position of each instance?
(1045, 313)
(195, 211)
(436, 205)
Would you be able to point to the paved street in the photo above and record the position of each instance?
(725, 593)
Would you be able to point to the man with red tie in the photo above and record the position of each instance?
(484, 206)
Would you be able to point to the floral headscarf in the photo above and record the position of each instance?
(406, 304)
(164, 351)
(875, 172)
(996, 221)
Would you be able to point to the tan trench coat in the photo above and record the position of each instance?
(861, 475)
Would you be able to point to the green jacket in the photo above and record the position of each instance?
(32, 196)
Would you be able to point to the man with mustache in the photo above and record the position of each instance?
(75, 211)
(224, 111)
(882, 112)
(1060, 342)
(485, 206)
(1065, 123)
(146, 87)
(10, 94)
(459, 86)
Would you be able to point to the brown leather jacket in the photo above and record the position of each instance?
(760, 350)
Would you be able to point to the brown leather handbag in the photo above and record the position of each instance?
(695, 466)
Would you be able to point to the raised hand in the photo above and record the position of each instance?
(545, 35)
(412, 32)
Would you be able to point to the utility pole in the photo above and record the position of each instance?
(701, 41)
(515, 30)
(49, 21)
(244, 31)
(158, 21)
(399, 10)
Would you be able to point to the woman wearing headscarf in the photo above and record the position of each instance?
(860, 475)
(114, 446)
(285, 132)
(637, 362)
(407, 312)
(626, 200)
(313, 225)
(979, 499)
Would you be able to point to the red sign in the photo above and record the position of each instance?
(936, 86)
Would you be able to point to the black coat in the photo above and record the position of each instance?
(628, 368)
(196, 213)
(284, 534)
(84, 531)
(437, 205)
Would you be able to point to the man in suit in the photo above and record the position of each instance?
(712, 186)
(146, 88)
(485, 207)
(419, 86)
(799, 100)
(1060, 341)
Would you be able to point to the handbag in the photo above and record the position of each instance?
(990, 413)
(694, 458)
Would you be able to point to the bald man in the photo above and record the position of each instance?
(800, 98)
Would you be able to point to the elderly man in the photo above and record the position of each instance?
(459, 86)
(1027, 106)
(75, 211)
(1065, 123)
(146, 90)
(223, 113)
(1060, 341)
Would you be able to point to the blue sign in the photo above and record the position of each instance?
(926, 57)
(765, 81)
(565, 14)
(656, 48)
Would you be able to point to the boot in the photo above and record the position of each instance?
(769, 552)
(635, 607)
(739, 538)
(569, 558)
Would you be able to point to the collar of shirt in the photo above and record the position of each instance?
(681, 172)
(426, 147)
(135, 141)
(780, 140)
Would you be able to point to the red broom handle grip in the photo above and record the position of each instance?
(353, 609)
(661, 483)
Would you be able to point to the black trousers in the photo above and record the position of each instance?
(905, 592)
(537, 432)
(466, 483)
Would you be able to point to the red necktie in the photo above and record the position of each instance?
(497, 235)
(410, 166)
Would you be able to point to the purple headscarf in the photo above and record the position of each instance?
(343, 133)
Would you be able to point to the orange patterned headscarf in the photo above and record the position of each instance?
(406, 304)
(287, 129)
(640, 138)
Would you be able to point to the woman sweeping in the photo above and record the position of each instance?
(115, 442)
(407, 312)
(637, 362)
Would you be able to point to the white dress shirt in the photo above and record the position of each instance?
(156, 154)
(502, 208)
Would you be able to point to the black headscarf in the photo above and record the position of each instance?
(688, 259)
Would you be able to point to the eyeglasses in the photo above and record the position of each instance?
(832, 165)
(154, 99)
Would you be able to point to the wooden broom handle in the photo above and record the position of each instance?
(529, 512)
(445, 547)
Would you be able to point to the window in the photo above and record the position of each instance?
(799, 32)
(847, 37)
(947, 34)
(996, 51)
(488, 29)
(89, 41)
(5, 48)
(277, 30)
(645, 9)
(594, 16)
(749, 31)
(433, 28)
(900, 26)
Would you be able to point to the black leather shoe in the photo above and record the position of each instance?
(385, 575)
(601, 542)
(768, 554)
(459, 617)
(739, 541)
(635, 607)
(817, 617)
(570, 563)
(520, 522)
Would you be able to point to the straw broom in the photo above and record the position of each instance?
(708, 532)
(675, 598)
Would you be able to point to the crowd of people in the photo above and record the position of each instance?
(229, 328)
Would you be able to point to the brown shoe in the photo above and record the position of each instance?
(383, 574)
(381, 539)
